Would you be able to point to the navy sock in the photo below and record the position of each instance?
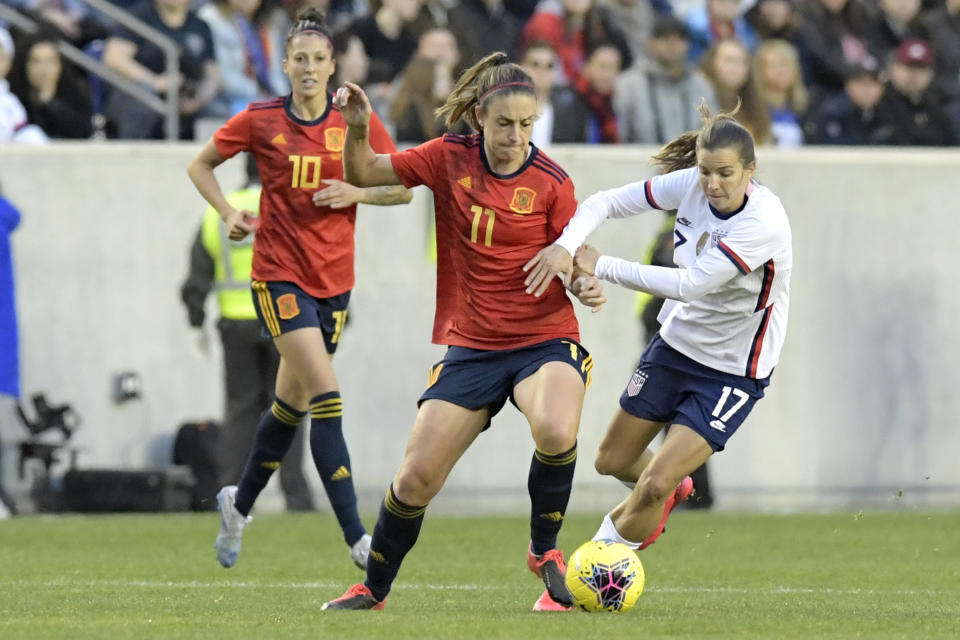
(275, 433)
(549, 484)
(333, 462)
(397, 529)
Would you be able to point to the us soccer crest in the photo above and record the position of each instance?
(636, 383)
(523, 200)
(334, 139)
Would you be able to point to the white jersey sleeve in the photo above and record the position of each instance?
(710, 271)
(623, 202)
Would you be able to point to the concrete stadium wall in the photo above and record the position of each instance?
(861, 413)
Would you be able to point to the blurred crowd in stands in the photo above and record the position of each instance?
(850, 72)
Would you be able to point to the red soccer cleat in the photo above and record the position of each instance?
(551, 568)
(357, 597)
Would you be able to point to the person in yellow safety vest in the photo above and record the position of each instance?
(647, 307)
(250, 360)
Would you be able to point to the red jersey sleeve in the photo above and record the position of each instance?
(234, 136)
(420, 165)
(564, 206)
(380, 140)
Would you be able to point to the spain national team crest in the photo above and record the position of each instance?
(523, 200)
(287, 306)
(636, 383)
(334, 139)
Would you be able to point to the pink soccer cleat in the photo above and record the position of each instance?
(551, 568)
(683, 491)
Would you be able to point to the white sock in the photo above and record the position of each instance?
(608, 531)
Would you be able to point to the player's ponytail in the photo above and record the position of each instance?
(310, 20)
(493, 75)
(720, 131)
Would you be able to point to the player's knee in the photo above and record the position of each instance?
(606, 462)
(555, 436)
(416, 485)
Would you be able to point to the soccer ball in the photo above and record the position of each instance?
(603, 575)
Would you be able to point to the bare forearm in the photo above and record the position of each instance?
(206, 183)
(391, 194)
(357, 155)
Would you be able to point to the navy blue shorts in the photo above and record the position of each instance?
(478, 379)
(670, 387)
(283, 307)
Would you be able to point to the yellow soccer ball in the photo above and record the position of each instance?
(603, 575)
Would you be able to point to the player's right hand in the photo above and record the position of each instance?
(354, 105)
(239, 224)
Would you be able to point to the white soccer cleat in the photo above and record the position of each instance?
(360, 551)
(232, 523)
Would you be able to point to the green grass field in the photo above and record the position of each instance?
(873, 575)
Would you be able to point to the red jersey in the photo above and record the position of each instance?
(488, 227)
(297, 241)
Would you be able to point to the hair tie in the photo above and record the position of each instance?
(504, 86)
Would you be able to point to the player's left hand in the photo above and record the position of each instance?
(337, 194)
(589, 292)
(548, 263)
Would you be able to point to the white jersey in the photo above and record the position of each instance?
(727, 302)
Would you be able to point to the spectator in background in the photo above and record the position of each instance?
(596, 85)
(943, 25)
(898, 21)
(635, 20)
(484, 26)
(424, 86)
(55, 97)
(72, 19)
(774, 19)
(718, 20)
(834, 35)
(353, 64)
(850, 118)
(776, 67)
(574, 27)
(249, 54)
(138, 59)
(910, 106)
(388, 37)
(14, 126)
(563, 116)
(727, 66)
(657, 98)
(9, 345)
(250, 360)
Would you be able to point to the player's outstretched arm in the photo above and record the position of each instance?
(338, 194)
(362, 166)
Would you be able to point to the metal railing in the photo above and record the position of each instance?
(169, 108)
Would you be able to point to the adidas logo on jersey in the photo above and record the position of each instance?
(279, 139)
(684, 221)
(340, 474)
(465, 182)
